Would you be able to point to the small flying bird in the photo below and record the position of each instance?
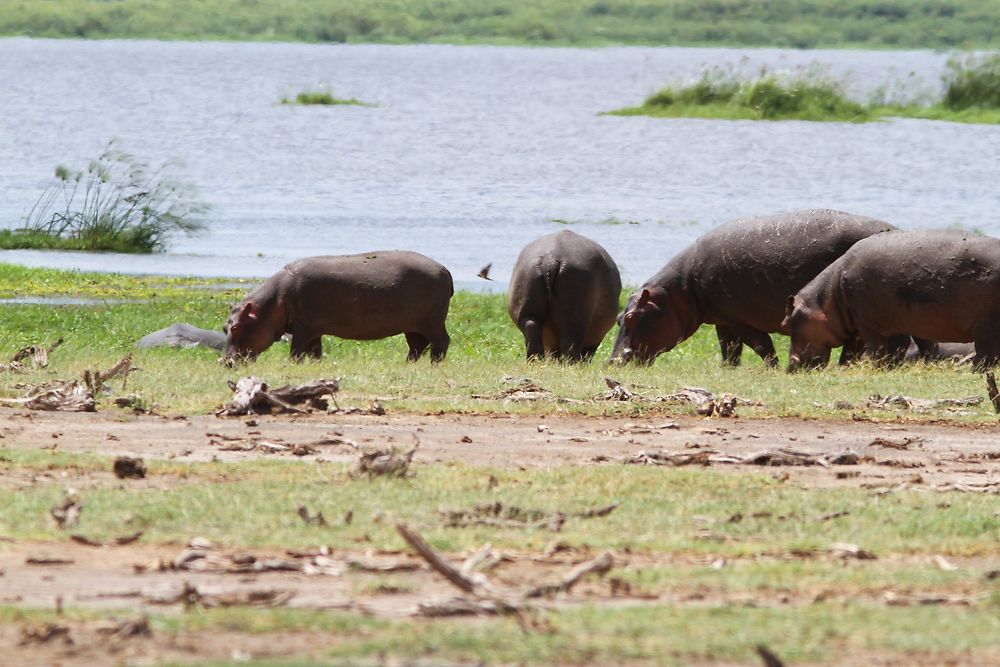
(484, 272)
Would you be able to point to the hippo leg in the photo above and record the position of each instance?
(927, 350)
(853, 350)
(439, 345)
(304, 345)
(418, 343)
(589, 352)
(758, 341)
(879, 348)
(532, 330)
(731, 345)
(571, 347)
(550, 340)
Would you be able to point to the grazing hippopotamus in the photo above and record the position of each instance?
(563, 295)
(736, 277)
(185, 336)
(362, 297)
(939, 285)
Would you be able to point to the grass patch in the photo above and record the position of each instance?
(117, 203)
(663, 510)
(322, 98)
(972, 95)
(656, 634)
(792, 23)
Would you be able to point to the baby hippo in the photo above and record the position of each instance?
(361, 297)
(933, 285)
(563, 296)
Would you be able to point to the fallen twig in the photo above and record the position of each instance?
(38, 355)
(600, 565)
(116, 541)
(992, 391)
(387, 463)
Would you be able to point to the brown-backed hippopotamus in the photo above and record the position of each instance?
(735, 277)
(361, 297)
(939, 285)
(563, 295)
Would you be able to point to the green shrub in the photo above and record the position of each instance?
(972, 82)
(321, 97)
(116, 204)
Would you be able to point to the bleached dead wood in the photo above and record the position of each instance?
(251, 395)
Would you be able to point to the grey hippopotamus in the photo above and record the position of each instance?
(361, 297)
(185, 336)
(738, 277)
(563, 295)
(956, 352)
(939, 285)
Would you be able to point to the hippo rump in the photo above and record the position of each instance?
(737, 277)
(361, 297)
(184, 336)
(563, 296)
(939, 285)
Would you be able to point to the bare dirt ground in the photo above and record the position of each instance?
(138, 577)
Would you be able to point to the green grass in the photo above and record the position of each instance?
(788, 23)
(253, 504)
(972, 95)
(322, 98)
(486, 348)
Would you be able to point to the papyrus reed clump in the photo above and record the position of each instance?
(117, 203)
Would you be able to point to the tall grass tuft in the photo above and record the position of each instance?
(972, 82)
(116, 204)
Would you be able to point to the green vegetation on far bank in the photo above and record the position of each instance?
(485, 349)
(971, 95)
(782, 23)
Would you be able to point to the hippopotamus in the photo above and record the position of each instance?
(957, 352)
(563, 296)
(360, 297)
(185, 336)
(939, 285)
(738, 277)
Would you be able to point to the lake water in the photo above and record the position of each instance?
(471, 151)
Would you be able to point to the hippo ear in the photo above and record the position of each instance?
(643, 299)
(247, 312)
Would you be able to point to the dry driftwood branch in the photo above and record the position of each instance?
(992, 391)
(910, 403)
(600, 565)
(251, 395)
(475, 584)
(67, 513)
(116, 541)
(38, 355)
(95, 380)
(388, 463)
(70, 397)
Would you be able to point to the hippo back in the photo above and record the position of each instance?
(743, 272)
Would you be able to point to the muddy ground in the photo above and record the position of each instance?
(137, 577)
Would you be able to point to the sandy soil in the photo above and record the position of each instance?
(136, 577)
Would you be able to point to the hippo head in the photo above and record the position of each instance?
(246, 336)
(646, 328)
(812, 336)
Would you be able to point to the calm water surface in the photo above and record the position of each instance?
(471, 151)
